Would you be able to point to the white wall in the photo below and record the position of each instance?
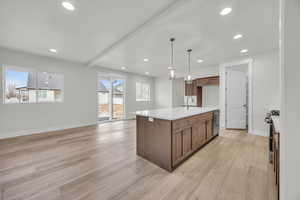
(163, 93)
(80, 98)
(290, 98)
(201, 72)
(78, 108)
(210, 95)
(265, 90)
(178, 92)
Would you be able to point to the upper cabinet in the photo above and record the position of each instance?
(214, 80)
(192, 89)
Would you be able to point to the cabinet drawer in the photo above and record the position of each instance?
(206, 116)
(181, 124)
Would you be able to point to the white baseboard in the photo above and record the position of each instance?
(42, 130)
(256, 132)
(260, 133)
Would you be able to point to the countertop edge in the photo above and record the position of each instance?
(176, 118)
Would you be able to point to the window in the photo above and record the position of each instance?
(142, 91)
(50, 87)
(28, 86)
(20, 85)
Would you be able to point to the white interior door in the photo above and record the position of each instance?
(236, 99)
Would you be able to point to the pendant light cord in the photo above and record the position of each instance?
(189, 60)
(172, 52)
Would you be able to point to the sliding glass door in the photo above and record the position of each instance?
(111, 93)
(118, 99)
(104, 88)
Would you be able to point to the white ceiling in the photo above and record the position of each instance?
(88, 34)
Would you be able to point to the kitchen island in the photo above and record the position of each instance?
(167, 137)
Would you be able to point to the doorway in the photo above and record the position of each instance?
(242, 65)
(236, 97)
(111, 98)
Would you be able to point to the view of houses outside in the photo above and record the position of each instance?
(30, 87)
(19, 87)
(106, 98)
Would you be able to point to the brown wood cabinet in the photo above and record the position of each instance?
(190, 134)
(191, 89)
(195, 89)
(177, 152)
(209, 129)
(202, 81)
(186, 141)
(168, 143)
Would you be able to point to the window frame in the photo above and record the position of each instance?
(111, 77)
(149, 93)
(38, 89)
(28, 69)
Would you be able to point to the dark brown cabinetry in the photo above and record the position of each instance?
(191, 89)
(209, 129)
(195, 88)
(207, 81)
(186, 141)
(168, 143)
(177, 153)
(190, 134)
(198, 134)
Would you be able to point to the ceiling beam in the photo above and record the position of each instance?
(161, 13)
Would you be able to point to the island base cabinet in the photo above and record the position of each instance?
(186, 141)
(181, 145)
(177, 153)
(154, 141)
(167, 143)
(189, 135)
(209, 129)
(199, 134)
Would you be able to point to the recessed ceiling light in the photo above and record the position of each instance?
(237, 36)
(226, 11)
(68, 5)
(199, 60)
(123, 68)
(244, 50)
(146, 60)
(146, 73)
(53, 50)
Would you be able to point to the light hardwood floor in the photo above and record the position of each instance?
(95, 163)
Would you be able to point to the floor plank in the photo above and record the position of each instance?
(99, 162)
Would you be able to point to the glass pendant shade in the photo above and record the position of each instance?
(188, 78)
(171, 68)
(172, 74)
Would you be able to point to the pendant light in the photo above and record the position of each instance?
(188, 77)
(171, 68)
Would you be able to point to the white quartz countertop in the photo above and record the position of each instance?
(175, 113)
(276, 123)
